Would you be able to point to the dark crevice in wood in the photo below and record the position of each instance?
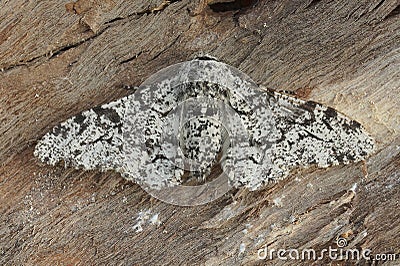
(393, 13)
(129, 88)
(63, 49)
(148, 11)
(313, 3)
(53, 54)
(131, 58)
(379, 4)
(232, 6)
(159, 8)
(68, 47)
(166, 48)
(118, 19)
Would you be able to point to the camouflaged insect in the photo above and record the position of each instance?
(197, 114)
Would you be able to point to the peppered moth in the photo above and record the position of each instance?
(189, 117)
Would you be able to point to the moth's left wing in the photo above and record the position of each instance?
(90, 140)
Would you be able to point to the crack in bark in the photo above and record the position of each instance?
(313, 3)
(234, 5)
(62, 49)
(166, 48)
(394, 12)
(130, 58)
(147, 11)
(53, 54)
(379, 4)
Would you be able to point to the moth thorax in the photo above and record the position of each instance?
(203, 141)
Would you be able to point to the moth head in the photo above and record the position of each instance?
(206, 57)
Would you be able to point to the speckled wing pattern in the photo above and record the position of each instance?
(308, 133)
(90, 140)
(283, 133)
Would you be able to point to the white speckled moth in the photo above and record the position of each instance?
(143, 136)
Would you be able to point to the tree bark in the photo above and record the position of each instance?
(58, 58)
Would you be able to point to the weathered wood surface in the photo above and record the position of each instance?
(59, 58)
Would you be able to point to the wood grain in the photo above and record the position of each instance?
(58, 58)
